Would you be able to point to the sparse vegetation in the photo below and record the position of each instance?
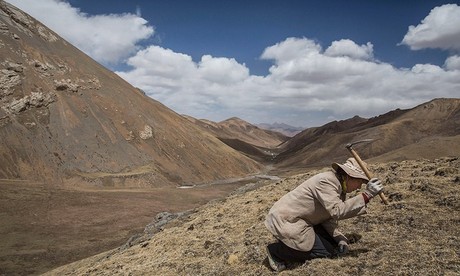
(417, 234)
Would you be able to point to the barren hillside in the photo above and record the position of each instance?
(418, 233)
(396, 131)
(235, 128)
(259, 144)
(65, 118)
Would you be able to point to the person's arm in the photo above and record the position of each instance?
(331, 227)
(328, 195)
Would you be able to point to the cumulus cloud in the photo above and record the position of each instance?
(291, 49)
(303, 60)
(303, 82)
(177, 81)
(349, 48)
(440, 29)
(452, 63)
(222, 70)
(106, 38)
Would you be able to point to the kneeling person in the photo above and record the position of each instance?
(304, 221)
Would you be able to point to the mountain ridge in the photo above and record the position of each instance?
(391, 131)
(236, 128)
(283, 128)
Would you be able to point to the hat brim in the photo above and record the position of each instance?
(350, 172)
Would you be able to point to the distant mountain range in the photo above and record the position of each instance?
(281, 128)
(429, 130)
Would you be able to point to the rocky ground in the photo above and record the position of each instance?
(418, 233)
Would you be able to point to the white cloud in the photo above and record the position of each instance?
(163, 63)
(106, 38)
(290, 49)
(426, 68)
(452, 63)
(222, 70)
(303, 82)
(175, 80)
(440, 29)
(349, 48)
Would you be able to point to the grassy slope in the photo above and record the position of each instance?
(417, 234)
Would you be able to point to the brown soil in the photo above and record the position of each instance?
(418, 233)
(44, 227)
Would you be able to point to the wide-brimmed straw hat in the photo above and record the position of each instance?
(352, 168)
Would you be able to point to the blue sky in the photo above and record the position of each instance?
(243, 29)
(304, 63)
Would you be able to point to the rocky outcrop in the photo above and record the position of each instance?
(146, 133)
(10, 78)
(36, 99)
(66, 85)
(158, 224)
(25, 23)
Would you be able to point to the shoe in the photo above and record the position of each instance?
(275, 264)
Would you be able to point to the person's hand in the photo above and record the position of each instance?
(343, 248)
(373, 187)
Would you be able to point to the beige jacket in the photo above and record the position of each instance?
(315, 201)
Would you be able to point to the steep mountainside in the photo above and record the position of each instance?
(429, 130)
(65, 118)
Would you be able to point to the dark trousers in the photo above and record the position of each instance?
(322, 248)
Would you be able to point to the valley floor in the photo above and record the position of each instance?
(43, 227)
